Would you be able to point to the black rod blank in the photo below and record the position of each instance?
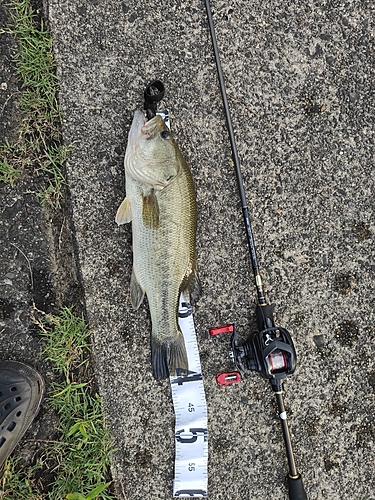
(295, 485)
(236, 160)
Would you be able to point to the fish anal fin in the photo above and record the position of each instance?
(136, 292)
(124, 212)
(169, 356)
(150, 210)
(191, 285)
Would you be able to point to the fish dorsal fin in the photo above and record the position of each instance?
(150, 210)
(124, 212)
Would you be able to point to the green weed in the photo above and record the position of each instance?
(80, 458)
(67, 340)
(17, 483)
(9, 173)
(39, 141)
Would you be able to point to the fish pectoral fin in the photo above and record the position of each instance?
(169, 356)
(150, 210)
(124, 212)
(136, 292)
(191, 285)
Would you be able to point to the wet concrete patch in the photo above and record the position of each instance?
(344, 283)
(143, 459)
(362, 231)
(347, 333)
(7, 308)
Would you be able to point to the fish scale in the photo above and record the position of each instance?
(156, 254)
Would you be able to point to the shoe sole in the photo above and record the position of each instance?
(21, 392)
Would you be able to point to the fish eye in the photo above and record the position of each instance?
(165, 134)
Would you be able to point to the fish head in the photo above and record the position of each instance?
(152, 154)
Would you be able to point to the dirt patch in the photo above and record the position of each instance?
(37, 264)
(9, 88)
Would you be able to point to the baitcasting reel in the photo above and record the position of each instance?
(270, 351)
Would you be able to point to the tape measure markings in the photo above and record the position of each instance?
(191, 427)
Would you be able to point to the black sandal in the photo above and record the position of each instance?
(21, 391)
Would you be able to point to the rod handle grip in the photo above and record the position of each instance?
(296, 489)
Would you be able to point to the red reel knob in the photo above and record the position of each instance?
(228, 378)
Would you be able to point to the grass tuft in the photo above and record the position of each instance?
(16, 483)
(39, 143)
(67, 341)
(80, 458)
(9, 172)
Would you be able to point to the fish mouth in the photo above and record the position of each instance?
(138, 122)
(150, 127)
(142, 126)
(136, 163)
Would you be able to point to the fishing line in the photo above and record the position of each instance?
(270, 351)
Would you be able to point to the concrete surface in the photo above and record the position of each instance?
(300, 78)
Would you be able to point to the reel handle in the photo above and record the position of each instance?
(296, 488)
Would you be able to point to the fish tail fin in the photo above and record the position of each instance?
(169, 356)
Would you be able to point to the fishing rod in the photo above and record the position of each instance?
(270, 351)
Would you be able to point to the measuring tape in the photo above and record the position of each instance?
(189, 401)
(191, 432)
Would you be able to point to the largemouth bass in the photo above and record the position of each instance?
(160, 203)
